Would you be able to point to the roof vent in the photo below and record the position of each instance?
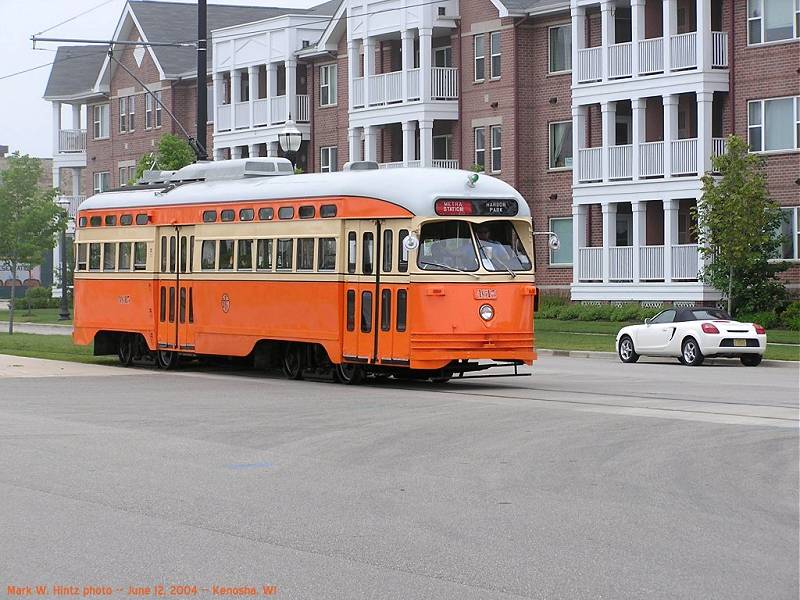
(154, 177)
(360, 165)
(233, 169)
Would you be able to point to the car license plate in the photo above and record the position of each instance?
(740, 343)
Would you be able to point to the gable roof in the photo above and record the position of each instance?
(515, 8)
(74, 72)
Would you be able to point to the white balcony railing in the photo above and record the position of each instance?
(413, 84)
(415, 163)
(620, 162)
(684, 156)
(391, 165)
(260, 112)
(302, 110)
(358, 92)
(719, 146)
(72, 140)
(590, 164)
(620, 267)
(590, 264)
(684, 50)
(74, 203)
(651, 263)
(385, 88)
(277, 109)
(444, 83)
(651, 159)
(620, 60)
(445, 163)
(590, 64)
(223, 117)
(685, 261)
(719, 53)
(651, 56)
(242, 115)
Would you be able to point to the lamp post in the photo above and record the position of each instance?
(290, 139)
(63, 313)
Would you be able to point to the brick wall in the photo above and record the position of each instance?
(329, 124)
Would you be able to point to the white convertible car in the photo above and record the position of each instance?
(691, 335)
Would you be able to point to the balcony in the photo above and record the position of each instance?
(74, 203)
(387, 88)
(266, 112)
(72, 140)
(684, 264)
(436, 162)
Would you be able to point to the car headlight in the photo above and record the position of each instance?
(486, 312)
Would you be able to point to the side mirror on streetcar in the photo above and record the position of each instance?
(554, 242)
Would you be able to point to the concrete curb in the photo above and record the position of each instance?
(784, 364)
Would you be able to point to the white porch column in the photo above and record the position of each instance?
(607, 32)
(76, 181)
(252, 150)
(252, 84)
(578, 138)
(409, 134)
(370, 143)
(579, 212)
(608, 111)
(236, 152)
(219, 94)
(219, 153)
(369, 66)
(76, 116)
(236, 94)
(578, 14)
(637, 33)
(670, 102)
(291, 88)
(425, 63)
(609, 235)
(56, 127)
(407, 56)
(352, 70)
(354, 139)
(704, 43)
(272, 91)
(704, 140)
(638, 207)
(638, 125)
(272, 149)
(426, 143)
(670, 235)
(669, 19)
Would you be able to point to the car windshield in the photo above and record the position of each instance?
(710, 313)
(500, 247)
(447, 246)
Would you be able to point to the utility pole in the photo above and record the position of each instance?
(202, 90)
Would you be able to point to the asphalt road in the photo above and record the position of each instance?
(591, 479)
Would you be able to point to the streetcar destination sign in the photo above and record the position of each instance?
(477, 207)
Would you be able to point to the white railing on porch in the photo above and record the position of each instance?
(590, 64)
(260, 111)
(684, 156)
(620, 60)
(386, 88)
(590, 164)
(651, 56)
(242, 115)
(719, 146)
(620, 267)
(685, 261)
(651, 159)
(415, 163)
(223, 117)
(719, 53)
(277, 109)
(391, 165)
(358, 91)
(74, 203)
(651, 263)
(590, 264)
(413, 84)
(445, 163)
(303, 113)
(620, 162)
(444, 83)
(684, 50)
(72, 140)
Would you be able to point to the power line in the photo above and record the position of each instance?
(75, 17)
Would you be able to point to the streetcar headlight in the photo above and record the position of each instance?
(486, 312)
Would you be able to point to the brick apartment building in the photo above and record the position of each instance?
(603, 114)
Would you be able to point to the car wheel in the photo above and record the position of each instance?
(627, 354)
(690, 352)
(750, 360)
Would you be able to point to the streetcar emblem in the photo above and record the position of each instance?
(485, 294)
(226, 303)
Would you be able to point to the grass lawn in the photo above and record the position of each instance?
(38, 315)
(56, 347)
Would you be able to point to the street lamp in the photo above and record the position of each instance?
(290, 139)
(63, 313)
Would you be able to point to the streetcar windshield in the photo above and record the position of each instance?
(447, 246)
(500, 247)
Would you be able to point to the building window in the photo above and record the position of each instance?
(560, 48)
(148, 111)
(494, 41)
(443, 147)
(100, 118)
(123, 114)
(327, 159)
(773, 124)
(563, 229)
(496, 137)
(443, 57)
(790, 234)
(561, 145)
(123, 173)
(480, 58)
(158, 109)
(131, 112)
(772, 20)
(102, 182)
(480, 147)
(327, 85)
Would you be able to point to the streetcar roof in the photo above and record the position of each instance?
(415, 189)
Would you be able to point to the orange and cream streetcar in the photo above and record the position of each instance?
(420, 273)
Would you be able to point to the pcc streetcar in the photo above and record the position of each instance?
(403, 272)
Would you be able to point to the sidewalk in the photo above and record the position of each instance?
(38, 328)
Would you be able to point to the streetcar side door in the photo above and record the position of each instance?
(186, 292)
(167, 292)
(392, 330)
(358, 338)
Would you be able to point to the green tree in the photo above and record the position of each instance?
(173, 153)
(737, 225)
(29, 219)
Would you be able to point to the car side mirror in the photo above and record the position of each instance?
(647, 321)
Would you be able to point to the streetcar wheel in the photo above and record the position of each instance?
(166, 359)
(349, 374)
(125, 350)
(441, 379)
(293, 361)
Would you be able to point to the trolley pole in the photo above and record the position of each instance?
(202, 90)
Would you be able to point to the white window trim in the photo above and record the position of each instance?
(326, 150)
(122, 104)
(492, 55)
(442, 48)
(97, 178)
(795, 211)
(550, 166)
(131, 113)
(795, 120)
(492, 148)
(100, 121)
(148, 110)
(333, 99)
(549, 50)
(448, 146)
(157, 117)
(475, 145)
(550, 262)
(795, 14)
(475, 58)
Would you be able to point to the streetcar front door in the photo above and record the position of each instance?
(186, 291)
(392, 331)
(175, 294)
(359, 341)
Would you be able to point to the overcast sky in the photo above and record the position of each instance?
(25, 119)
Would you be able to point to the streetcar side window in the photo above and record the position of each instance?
(124, 256)
(264, 259)
(173, 251)
(139, 256)
(81, 257)
(327, 211)
(244, 254)
(386, 310)
(265, 214)
(387, 250)
(109, 256)
(286, 212)
(351, 310)
(367, 250)
(142, 219)
(94, 221)
(163, 306)
(283, 260)
(225, 255)
(402, 253)
(171, 304)
(94, 257)
(82, 222)
(163, 254)
(227, 215)
(183, 251)
(305, 254)
(351, 252)
(209, 216)
(126, 219)
(191, 255)
(326, 257)
(246, 214)
(306, 212)
(402, 309)
(208, 255)
(111, 220)
(366, 312)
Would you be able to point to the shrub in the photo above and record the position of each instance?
(570, 312)
(38, 297)
(628, 312)
(791, 316)
(767, 319)
(648, 313)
